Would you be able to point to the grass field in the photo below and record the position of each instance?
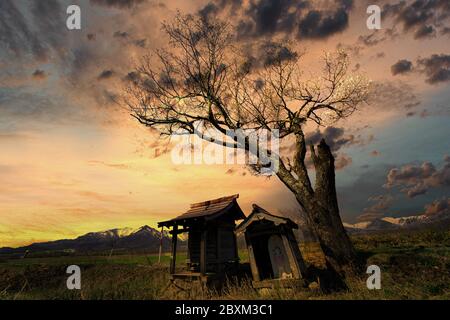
(415, 265)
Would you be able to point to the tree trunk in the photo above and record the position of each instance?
(323, 212)
(321, 206)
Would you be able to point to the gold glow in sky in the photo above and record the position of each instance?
(72, 162)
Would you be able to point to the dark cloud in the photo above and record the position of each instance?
(402, 67)
(435, 67)
(335, 138)
(438, 208)
(378, 36)
(39, 74)
(422, 17)
(425, 32)
(371, 39)
(378, 209)
(353, 197)
(50, 20)
(274, 52)
(140, 43)
(121, 34)
(292, 17)
(106, 74)
(267, 17)
(83, 58)
(120, 4)
(131, 76)
(317, 25)
(128, 38)
(415, 180)
(16, 36)
(215, 7)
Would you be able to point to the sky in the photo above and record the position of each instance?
(73, 161)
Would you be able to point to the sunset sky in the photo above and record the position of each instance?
(72, 161)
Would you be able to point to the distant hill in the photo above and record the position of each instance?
(390, 223)
(127, 239)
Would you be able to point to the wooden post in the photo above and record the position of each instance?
(296, 250)
(160, 244)
(236, 249)
(251, 258)
(174, 249)
(292, 259)
(203, 253)
(220, 263)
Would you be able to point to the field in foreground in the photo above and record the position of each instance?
(415, 265)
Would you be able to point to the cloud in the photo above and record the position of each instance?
(121, 34)
(435, 67)
(381, 204)
(402, 67)
(335, 138)
(39, 74)
(121, 166)
(416, 180)
(273, 52)
(371, 39)
(317, 25)
(105, 74)
(438, 207)
(120, 4)
(425, 32)
(18, 38)
(302, 18)
(388, 95)
(423, 17)
(342, 161)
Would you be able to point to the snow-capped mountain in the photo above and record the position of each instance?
(391, 223)
(126, 239)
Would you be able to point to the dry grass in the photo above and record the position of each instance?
(414, 266)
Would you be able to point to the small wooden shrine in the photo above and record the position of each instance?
(274, 253)
(212, 245)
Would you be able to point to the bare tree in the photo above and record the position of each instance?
(204, 82)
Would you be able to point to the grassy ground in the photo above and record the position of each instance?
(414, 266)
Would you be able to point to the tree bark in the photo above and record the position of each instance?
(321, 205)
(324, 212)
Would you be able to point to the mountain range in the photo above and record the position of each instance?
(390, 223)
(126, 239)
(148, 239)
